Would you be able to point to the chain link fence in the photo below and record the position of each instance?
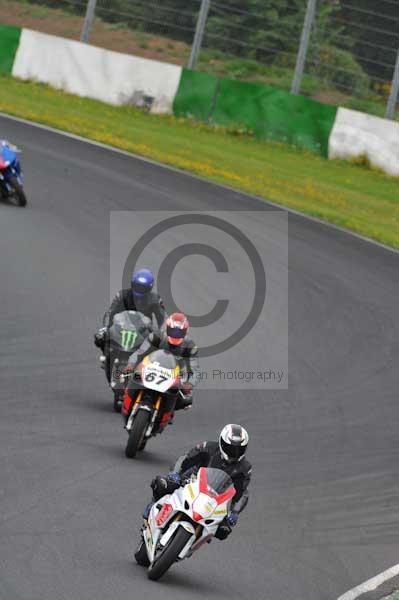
(175, 20)
(353, 49)
(338, 51)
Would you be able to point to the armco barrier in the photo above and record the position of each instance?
(196, 95)
(96, 73)
(358, 135)
(9, 41)
(275, 115)
(270, 113)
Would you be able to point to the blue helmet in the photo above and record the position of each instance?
(142, 282)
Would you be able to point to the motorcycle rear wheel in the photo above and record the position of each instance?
(137, 432)
(169, 554)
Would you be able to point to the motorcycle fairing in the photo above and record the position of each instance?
(204, 508)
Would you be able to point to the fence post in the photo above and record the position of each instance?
(88, 22)
(303, 47)
(393, 97)
(199, 34)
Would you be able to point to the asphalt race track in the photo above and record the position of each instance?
(323, 513)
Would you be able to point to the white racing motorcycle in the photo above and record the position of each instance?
(180, 523)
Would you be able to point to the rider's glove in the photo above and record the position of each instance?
(159, 486)
(174, 477)
(232, 518)
(223, 531)
(99, 337)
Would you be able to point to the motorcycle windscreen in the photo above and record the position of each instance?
(164, 358)
(127, 330)
(218, 481)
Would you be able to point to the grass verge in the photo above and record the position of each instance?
(342, 193)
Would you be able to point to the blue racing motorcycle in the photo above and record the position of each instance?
(11, 186)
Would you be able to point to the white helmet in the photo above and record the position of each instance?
(233, 442)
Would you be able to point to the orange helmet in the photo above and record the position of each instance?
(176, 328)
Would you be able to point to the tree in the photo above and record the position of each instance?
(373, 28)
(254, 28)
(269, 30)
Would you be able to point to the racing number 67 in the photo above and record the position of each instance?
(151, 376)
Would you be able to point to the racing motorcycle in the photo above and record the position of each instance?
(11, 185)
(126, 334)
(157, 379)
(182, 522)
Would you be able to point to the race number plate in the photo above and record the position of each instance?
(158, 378)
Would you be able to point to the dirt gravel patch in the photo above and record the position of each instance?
(113, 37)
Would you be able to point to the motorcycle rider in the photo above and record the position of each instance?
(228, 454)
(174, 339)
(139, 297)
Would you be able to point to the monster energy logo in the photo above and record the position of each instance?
(128, 338)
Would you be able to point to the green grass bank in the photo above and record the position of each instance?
(348, 195)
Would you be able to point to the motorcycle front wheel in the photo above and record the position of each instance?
(168, 555)
(18, 192)
(137, 432)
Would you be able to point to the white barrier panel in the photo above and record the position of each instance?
(357, 134)
(96, 73)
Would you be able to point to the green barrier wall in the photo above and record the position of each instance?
(196, 95)
(270, 113)
(9, 41)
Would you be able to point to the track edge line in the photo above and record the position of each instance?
(371, 584)
(287, 209)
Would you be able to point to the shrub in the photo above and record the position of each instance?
(340, 68)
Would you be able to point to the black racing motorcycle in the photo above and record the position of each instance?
(128, 331)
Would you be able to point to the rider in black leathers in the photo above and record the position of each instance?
(140, 298)
(150, 305)
(227, 455)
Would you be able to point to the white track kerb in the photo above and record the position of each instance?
(358, 135)
(371, 584)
